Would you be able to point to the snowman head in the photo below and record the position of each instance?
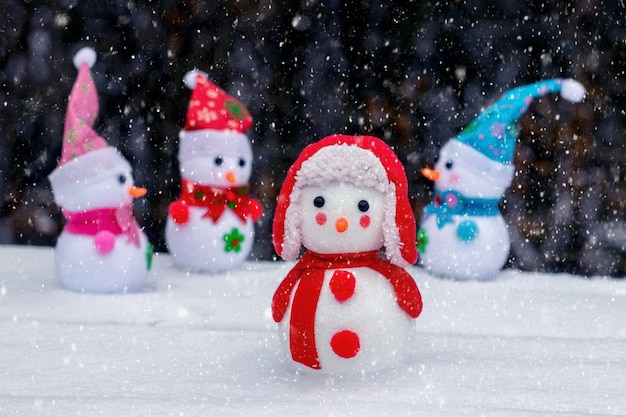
(217, 158)
(214, 149)
(98, 179)
(461, 168)
(340, 216)
(346, 194)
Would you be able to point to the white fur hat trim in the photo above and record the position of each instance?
(86, 169)
(349, 164)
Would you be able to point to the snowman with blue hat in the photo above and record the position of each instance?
(462, 233)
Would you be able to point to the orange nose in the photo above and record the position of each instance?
(230, 177)
(431, 174)
(341, 225)
(135, 192)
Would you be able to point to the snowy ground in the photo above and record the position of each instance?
(196, 345)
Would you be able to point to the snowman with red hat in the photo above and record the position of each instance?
(344, 307)
(463, 234)
(210, 227)
(101, 248)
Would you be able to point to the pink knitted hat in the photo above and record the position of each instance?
(372, 163)
(86, 156)
(82, 110)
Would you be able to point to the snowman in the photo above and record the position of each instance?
(101, 248)
(210, 228)
(462, 233)
(344, 308)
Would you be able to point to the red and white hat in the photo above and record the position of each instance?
(86, 156)
(213, 116)
(364, 161)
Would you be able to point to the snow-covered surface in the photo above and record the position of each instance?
(205, 345)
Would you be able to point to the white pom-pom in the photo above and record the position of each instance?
(572, 90)
(86, 55)
(190, 78)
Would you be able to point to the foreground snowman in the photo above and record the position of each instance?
(343, 307)
(462, 233)
(101, 248)
(210, 227)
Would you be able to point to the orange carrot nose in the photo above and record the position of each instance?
(341, 225)
(230, 177)
(431, 174)
(136, 192)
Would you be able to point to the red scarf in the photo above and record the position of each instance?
(310, 272)
(217, 200)
(118, 221)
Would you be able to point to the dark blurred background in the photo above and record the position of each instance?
(411, 72)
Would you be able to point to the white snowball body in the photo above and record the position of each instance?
(199, 244)
(80, 267)
(479, 259)
(386, 333)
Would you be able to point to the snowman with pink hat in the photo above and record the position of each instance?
(345, 307)
(210, 227)
(101, 248)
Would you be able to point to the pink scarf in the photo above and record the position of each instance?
(118, 221)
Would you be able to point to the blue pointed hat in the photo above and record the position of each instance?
(494, 131)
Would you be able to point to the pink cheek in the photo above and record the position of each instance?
(454, 178)
(365, 221)
(320, 218)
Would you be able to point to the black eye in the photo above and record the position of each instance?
(449, 164)
(242, 162)
(219, 160)
(318, 201)
(121, 179)
(364, 206)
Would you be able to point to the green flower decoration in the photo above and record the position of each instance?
(422, 241)
(235, 109)
(233, 240)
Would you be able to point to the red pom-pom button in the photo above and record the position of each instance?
(342, 285)
(345, 344)
(179, 212)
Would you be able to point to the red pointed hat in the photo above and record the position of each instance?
(210, 107)
(399, 227)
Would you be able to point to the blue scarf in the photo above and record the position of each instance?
(449, 203)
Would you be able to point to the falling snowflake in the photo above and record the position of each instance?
(233, 240)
